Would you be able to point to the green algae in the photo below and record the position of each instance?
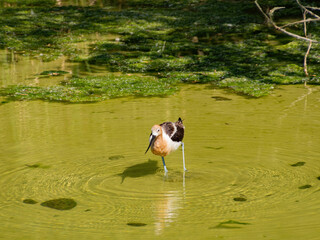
(240, 199)
(305, 186)
(116, 157)
(93, 89)
(136, 224)
(60, 204)
(230, 224)
(298, 164)
(246, 87)
(29, 201)
(53, 73)
(225, 43)
(37, 165)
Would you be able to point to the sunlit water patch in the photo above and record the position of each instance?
(80, 170)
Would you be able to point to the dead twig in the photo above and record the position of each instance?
(313, 8)
(301, 21)
(305, 66)
(306, 11)
(269, 19)
(305, 62)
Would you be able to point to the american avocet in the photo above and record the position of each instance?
(165, 138)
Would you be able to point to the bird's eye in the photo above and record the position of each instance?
(158, 130)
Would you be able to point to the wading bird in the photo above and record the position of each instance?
(166, 138)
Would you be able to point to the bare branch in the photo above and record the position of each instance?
(295, 35)
(274, 9)
(305, 9)
(301, 21)
(281, 29)
(263, 13)
(305, 66)
(304, 21)
(313, 8)
(305, 62)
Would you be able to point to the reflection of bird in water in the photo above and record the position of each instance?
(167, 210)
(165, 138)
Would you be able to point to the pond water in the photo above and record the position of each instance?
(75, 171)
(78, 171)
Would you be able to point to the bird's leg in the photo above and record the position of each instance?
(184, 163)
(164, 165)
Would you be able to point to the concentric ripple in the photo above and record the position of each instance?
(249, 161)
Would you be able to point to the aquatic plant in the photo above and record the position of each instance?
(225, 43)
(298, 164)
(230, 224)
(305, 186)
(93, 89)
(60, 204)
(246, 87)
(136, 224)
(29, 201)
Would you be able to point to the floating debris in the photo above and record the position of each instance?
(53, 73)
(298, 164)
(214, 148)
(37, 165)
(230, 224)
(29, 201)
(136, 224)
(116, 157)
(219, 98)
(60, 204)
(33, 165)
(305, 186)
(240, 199)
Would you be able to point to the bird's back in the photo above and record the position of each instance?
(175, 131)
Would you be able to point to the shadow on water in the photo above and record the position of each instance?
(140, 170)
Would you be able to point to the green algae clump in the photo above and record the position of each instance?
(60, 204)
(93, 89)
(29, 201)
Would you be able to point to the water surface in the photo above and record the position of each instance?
(246, 179)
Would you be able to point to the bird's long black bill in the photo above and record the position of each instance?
(151, 141)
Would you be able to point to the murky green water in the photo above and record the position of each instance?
(79, 171)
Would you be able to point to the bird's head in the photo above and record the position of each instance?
(155, 132)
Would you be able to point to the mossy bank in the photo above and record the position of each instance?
(156, 46)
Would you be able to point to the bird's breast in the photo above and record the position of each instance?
(160, 147)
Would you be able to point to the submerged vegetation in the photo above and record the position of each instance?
(92, 89)
(223, 43)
